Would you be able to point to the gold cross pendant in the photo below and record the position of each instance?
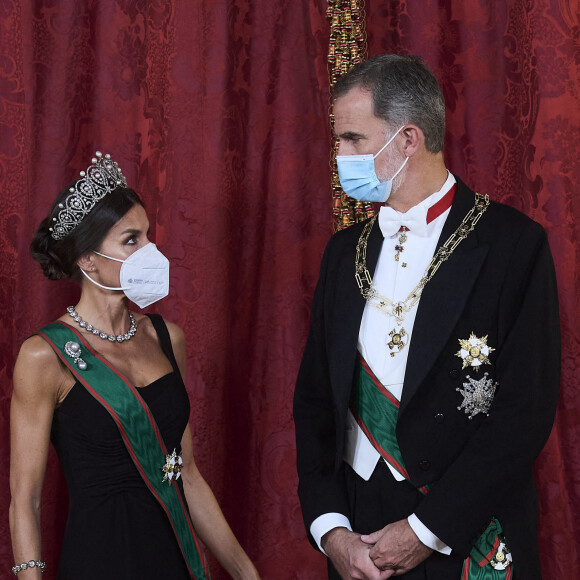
(398, 342)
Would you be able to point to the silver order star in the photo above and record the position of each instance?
(477, 396)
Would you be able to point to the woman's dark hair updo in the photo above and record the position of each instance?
(58, 257)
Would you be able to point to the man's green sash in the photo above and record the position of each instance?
(139, 432)
(376, 410)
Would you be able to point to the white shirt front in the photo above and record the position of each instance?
(394, 279)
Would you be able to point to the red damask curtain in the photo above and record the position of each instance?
(217, 111)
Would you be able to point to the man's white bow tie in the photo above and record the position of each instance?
(390, 220)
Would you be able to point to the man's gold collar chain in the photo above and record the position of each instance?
(398, 310)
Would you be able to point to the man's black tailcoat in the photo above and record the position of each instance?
(499, 283)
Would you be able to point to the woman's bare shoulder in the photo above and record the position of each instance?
(175, 332)
(38, 368)
(35, 350)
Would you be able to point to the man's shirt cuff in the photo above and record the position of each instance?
(326, 522)
(426, 536)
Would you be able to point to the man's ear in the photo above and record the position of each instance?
(87, 262)
(413, 139)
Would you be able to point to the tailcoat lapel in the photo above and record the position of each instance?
(444, 297)
(342, 337)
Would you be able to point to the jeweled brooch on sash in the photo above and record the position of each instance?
(474, 351)
(73, 349)
(477, 396)
(172, 467)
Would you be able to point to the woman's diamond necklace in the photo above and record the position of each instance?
(110, 337)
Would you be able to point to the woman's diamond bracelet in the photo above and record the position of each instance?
(26, 565)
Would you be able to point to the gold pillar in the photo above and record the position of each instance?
(347, 46)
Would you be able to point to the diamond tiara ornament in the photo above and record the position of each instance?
(102, 177)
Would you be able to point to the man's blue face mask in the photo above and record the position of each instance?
(358, 177)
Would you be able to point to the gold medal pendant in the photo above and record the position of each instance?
(399, 339)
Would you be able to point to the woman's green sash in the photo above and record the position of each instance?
(376, 411)
(139, 432)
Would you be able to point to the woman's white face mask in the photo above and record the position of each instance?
(144, 275)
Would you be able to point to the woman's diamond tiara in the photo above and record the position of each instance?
(102, 177)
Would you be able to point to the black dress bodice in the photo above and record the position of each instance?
(115, 528)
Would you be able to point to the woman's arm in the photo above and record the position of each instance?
(37, 379)
(207, 517)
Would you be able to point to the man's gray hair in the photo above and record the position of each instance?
(404, 90)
